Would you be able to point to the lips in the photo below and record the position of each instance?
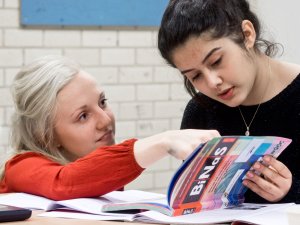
(226, 94)
(107, 136)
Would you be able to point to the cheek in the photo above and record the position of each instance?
(201, 87)
(80, 143)
(71, 137)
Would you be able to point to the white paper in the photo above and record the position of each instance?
(260, 216)
(87, 205)
(86, 216)
(270, 214)
(25, 201)
(133, 196)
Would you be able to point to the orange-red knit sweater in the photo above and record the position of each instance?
(106, 169)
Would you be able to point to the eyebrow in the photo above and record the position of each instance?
(78, 109)
(204, 60)
(101, 95)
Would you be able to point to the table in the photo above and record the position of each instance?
(38, 220)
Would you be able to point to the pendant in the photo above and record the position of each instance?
(247, 133)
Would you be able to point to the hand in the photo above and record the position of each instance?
(182, 143)
(275, 182)
(178, 143)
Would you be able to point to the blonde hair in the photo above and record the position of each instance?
(34, 91)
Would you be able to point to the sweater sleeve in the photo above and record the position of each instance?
(294, 194)
(103, 170)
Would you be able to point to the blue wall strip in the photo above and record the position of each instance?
(92, 12)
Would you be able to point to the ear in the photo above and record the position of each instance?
(249, 34)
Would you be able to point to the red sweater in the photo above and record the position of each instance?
(104, 170)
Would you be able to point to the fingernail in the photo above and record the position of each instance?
(256, 166)
(267, 158)
(249, 174)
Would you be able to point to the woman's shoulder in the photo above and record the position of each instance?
(202, 104)
(198, 112)
(28, 157)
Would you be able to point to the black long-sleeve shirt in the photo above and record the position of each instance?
(279, 116)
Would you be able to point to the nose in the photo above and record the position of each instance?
(103, 119)
(213, 80)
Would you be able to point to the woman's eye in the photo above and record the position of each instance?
(103, 103)
(217, 62)
(83, 116)
(197, 76)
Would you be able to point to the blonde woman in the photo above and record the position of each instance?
(63, 136)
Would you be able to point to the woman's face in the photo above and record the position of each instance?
(219, 69)
(83, 119)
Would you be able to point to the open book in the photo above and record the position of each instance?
(212, 176)
(91, 209)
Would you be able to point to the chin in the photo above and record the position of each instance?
(105, 143)
(232, 105)
(112, 142)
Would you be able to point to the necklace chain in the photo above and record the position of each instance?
(247, 133)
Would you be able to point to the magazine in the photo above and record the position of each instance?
(212, 176)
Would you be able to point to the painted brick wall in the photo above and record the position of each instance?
(146, 95)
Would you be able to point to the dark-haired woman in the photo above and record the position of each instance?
(237, 88)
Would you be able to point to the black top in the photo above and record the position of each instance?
(279, 116)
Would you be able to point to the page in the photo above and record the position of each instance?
(25, 201)
(136, 200)
(159, 205)
(262, 214)
(132, 196)
(87, 205)
(275, 216)
(251, 213)
(87, 216)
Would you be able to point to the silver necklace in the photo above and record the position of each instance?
(247, 133)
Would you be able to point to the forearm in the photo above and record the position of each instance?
(149, 150)
(104, 170)
(178, 143)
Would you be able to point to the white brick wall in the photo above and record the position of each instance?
(99, 38)
(11, 3)
(135, 39)
(32, 53)
(149, 56)
(118, 56)
(2, 118)
(11, 57)
(1, 78)
(62, 38)
(1, 38)
(146, 95)
(23, 38)
(9, 18)
(85, 56)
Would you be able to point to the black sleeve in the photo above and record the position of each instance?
(294, 194)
